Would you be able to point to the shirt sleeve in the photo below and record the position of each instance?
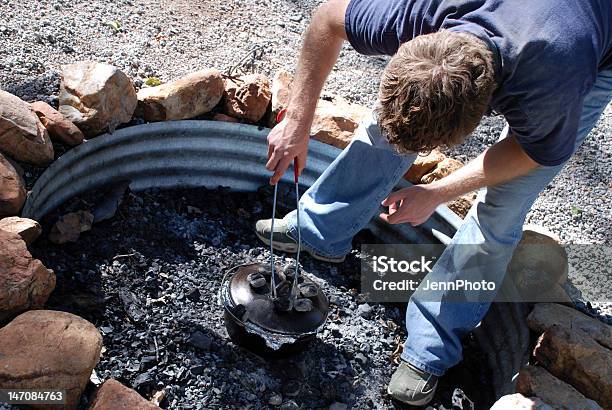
(371, 26)
(543, 107)
(547, 135)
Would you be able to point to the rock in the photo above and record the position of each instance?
(444, 168)
(28, 229)
(12, 189)
(519, 402)
(144, 380)
(131, 305)
(193, 294)
(535, 381)
(110, 202)
(200, 341)
(361, 359)
(462, 205)
(25, 283)
(22, 135)
(275, 399)
(96, 97)
(158, 397)
(461, 401)
(59, 128)
(539, 261)
(335, 121)
(365, 311)
(555, 294)
(281, 91)
(539, 264)
(338, 406)
(247, 97)
(45, 349)
(423, 164)
(70, 226)
(576, 358)
(189, 96)
(224, 118)
(113, 395)
(289, 405)
(546, 315)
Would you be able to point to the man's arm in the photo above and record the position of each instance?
(502, 162)
(320, 50)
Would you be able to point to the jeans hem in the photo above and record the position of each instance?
(293, 232)
(413, 361)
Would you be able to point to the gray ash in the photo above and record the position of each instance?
(148, 279)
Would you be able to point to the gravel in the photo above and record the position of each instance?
(148, 280)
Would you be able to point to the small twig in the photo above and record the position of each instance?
(127, 255)
(255, 53)
(156, 348)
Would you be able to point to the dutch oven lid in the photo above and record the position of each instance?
(259, 307)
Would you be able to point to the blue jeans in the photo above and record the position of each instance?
(348, 194)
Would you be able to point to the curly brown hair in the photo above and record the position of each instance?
(435, 90)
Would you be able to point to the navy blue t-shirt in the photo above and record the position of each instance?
(547, 52)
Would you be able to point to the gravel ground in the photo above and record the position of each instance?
(148, 279)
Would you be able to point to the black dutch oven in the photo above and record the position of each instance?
(266, 325)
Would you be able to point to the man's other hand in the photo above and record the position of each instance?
(289, 139)
(413, 205)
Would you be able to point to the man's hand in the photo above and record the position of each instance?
(289, 139)
(502, 162)
(413, 205)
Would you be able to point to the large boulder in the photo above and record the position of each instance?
(441, 170)
(519, 402)
(60, 129)
(25, 283)
(45, 349)
(423, 164)
(22, 135)
(546, 315)
(12, 189)
(192, 95)
(336, 121)
(113, 395)
(96, 97)
(28, 229)
(576, 358)
(536, 381)
(247, 97)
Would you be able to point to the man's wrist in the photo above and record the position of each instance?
(442, 191)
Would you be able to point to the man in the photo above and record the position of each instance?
(545, 65)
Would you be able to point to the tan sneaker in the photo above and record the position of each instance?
(412, 386)
(283, 241)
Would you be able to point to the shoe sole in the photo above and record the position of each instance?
(421, 402)
(292, 248)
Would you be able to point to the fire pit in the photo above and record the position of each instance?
(159, 251)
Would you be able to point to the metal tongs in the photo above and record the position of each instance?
(293, 295)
